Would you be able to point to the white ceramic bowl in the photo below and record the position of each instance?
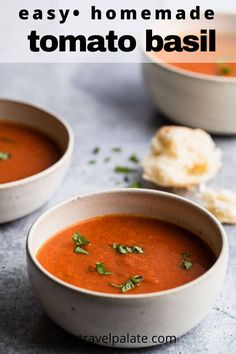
(192, 99)
(22, 197)
(167, 313)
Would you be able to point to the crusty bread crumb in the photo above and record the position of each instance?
(181, 157)
(221, 203)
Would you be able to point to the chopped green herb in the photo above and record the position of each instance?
(135, 185)
(116, 149)
(129, 284)
(186, 263)
(226, 70)
(127, 249)
(133, 158)
(96, 150)
(223, 69)
(101, 269)
(79, 249)
(79, 241)
(123, 169)
(92, 162)
(4, 155)
(121, 249)
(137, 249)
(107, 159)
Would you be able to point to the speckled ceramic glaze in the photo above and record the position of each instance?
(192, 99)
(22, 197)
(94, 315)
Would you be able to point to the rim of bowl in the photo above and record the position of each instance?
(219, 260)
(189, 73)
(59, 162)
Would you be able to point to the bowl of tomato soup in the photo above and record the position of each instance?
(196, 89)
(127, 268)
(35, 151)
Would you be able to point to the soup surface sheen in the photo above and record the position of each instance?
(24, 151)
(165, 247)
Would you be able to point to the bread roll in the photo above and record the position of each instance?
(181, 158)
(221, 203)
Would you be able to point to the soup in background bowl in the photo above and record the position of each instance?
(35, 152)
(221, 63)
(167, 256)
(24, 151)
(199, 95)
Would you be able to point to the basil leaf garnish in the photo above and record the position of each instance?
(101, 269)
(186, 263)
(137, 249)
(135, 185)
(116, 149)
(79, 241)
(124, 169)
(79, 249)
(4, 155)
(96, 150)
(133, 158)
(129, 284)
(127, 249)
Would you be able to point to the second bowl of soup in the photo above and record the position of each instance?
(125, 263)
(197, 94)
(35, 151)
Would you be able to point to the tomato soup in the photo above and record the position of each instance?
(216, 69)
(219, 63)
(124, 254)
(24, 151)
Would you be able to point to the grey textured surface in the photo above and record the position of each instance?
(106, 106)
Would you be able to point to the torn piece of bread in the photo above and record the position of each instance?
(221, 203)
(181, 157)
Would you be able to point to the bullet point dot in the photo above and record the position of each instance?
(76, 12)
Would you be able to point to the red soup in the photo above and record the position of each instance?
(124, 254)
(24, 151)
(219, 63)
